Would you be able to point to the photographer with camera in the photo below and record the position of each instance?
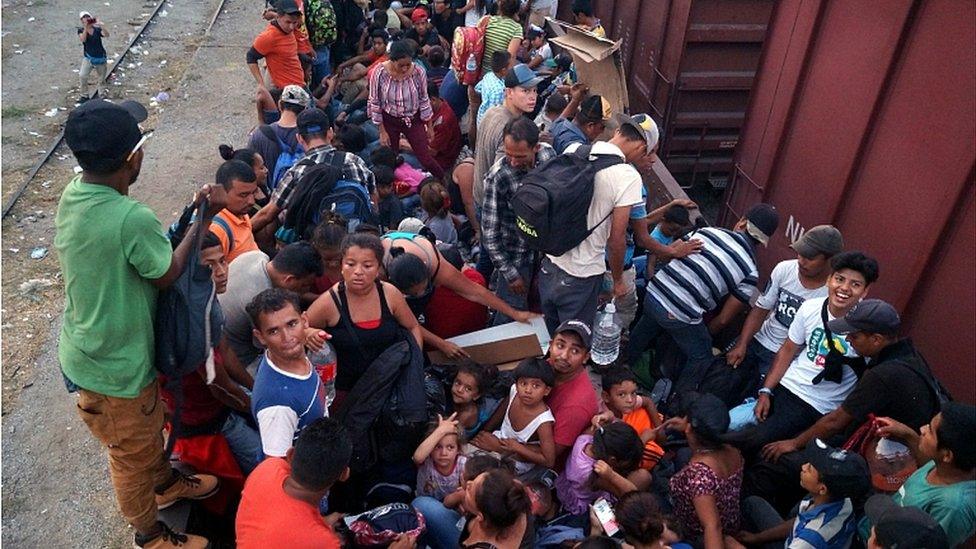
(90, 35)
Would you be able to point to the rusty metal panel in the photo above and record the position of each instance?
(863, 117)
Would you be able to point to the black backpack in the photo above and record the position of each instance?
(188, 321)
(324, 187)
(551, 204)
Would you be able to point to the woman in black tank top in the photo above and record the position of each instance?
(361, 313)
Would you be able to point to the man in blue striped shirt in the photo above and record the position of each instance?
(688, 287)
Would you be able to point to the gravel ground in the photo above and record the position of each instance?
(56, 490)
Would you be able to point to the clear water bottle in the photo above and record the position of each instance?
(606, 336)
(471, 65)
(324, 362)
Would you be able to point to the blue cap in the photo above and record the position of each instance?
(521, 76)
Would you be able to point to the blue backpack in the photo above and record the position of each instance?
(287, 156)
(324, 187)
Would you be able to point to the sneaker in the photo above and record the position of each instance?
(167, 538)
(182, 486)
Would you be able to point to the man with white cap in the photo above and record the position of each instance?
(686, 288)
(570, 284)
(90, 34)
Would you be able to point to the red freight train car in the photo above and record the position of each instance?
(863, 116)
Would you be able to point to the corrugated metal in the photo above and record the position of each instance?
(863, 116)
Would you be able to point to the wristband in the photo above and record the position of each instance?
(766, 391)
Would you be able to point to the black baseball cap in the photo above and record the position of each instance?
(873, 316)
(845, 473)
(762, 220)
(706, 413)
(579, 328)
(897, 527)
(102, 129)
(313, 120)
(288, 7)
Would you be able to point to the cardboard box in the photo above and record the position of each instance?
(503, 346)
(598, 62)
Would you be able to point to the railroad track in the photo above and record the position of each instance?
(118, 62)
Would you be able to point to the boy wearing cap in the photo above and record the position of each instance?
(573, 400)
(825, 519)
(897, 384)
(569, 284)
(791, 283)
(944, 486)
(271, 140)
(814, 368)
(90, 34)
(897, 527)
(539, 49)
(423, 33)
(113, 270)
(278, 45)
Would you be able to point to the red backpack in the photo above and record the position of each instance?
(468, 52)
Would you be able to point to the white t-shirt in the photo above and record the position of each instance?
(472, 16)
(545, 52)
(613, 187)
(783, 297)
(807, 331)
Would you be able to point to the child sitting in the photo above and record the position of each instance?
(390, 208)
(526, 422)
(467, 397)
(602, 464)
(327, 240)
(554, 108)
(436, 204)
(407, 179)
(623, 403)
(439, 460)
(832, 478)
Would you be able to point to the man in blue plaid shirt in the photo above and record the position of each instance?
(515, 262)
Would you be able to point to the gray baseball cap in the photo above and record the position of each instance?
(822, 239)
(873, 316)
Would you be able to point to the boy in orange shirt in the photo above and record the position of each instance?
(280, 503)
(623, 403)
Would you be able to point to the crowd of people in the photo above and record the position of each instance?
(374, 214)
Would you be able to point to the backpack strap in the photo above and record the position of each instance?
(938, 392)
(600, 162)
(222, 223)
(269, 132)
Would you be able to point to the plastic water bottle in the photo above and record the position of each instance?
(324, 362)
(606, 336)
(471, 65)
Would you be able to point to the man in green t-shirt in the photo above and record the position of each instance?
(115, 257)
(944, 486)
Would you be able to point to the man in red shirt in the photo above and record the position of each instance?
(573, 400)
(278, 45)
(445, 141)
(280, 503)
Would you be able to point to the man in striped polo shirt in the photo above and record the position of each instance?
(688, 287)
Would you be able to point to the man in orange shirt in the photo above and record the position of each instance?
(280, 502)
(232, 225)
(278, 45)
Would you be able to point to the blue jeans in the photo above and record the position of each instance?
(442, 523)
(566, 297)
(322, 66)
(693, 340)
(518, 302)
(244, 442)
(484, 265)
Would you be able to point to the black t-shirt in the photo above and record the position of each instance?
(444, 23)
(891, 389)
(93, 43)
(431, 39)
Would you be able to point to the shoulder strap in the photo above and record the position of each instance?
(928, 378)
(346, 316)
(220, 222)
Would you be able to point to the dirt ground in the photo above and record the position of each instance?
(55, 485)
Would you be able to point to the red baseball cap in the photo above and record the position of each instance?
(418, 15)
